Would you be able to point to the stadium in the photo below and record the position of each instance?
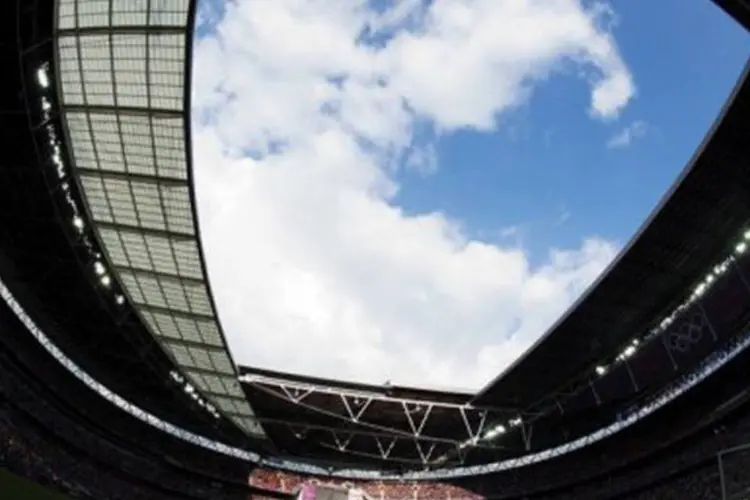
(116, 380)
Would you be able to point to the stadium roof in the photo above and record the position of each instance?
(119, 79)
(738, 9)
(697, 221)
(46, 263)
(124, 80)
(378, 426)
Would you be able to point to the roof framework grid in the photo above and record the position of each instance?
(124, 92)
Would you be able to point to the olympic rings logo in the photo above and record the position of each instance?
(689, 333)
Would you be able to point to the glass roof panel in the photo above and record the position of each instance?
(124, 103)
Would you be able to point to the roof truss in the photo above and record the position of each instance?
(358, 427)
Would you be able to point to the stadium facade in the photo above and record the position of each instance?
(107, 312)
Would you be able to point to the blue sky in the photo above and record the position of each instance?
(416, 190)
(546, 177)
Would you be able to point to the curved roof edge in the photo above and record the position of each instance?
(124, 76)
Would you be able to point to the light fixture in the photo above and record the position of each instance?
(495, 431)
(99, 268)
(78, 223)
(106, 280)
(601, 370)
(741, 247)
(42, 78)
(120, 299)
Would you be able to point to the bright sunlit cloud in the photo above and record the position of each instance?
(305, 116)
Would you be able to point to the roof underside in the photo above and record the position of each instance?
(43, 260)
(124, 99)
(386, 427)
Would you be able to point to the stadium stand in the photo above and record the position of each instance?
(375, 490)
(57, 426)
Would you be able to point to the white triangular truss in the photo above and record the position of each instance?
(360, 413)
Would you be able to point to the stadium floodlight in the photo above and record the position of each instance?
(106, 280)
(56, 154)
(42, 78)
(99, 268)
(741, 247)
(78, 223)
(495, 431)
(601, 370)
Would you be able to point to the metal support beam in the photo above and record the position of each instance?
(97, 109)
(129, 176)
(122, 30)
(155, 274)
(526, 433)
(162, 233)
(188, 343)
(631, 375)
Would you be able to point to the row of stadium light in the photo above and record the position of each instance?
(98, 268)
(500, 429)
(742, 245)
(191, 391)
(490, 434)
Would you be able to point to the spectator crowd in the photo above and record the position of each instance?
(288, 482)
(44, 443)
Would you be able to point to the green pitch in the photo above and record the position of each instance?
(14, 487)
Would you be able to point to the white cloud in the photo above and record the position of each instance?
(626, 136)
(422, 160)
(305, 112)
